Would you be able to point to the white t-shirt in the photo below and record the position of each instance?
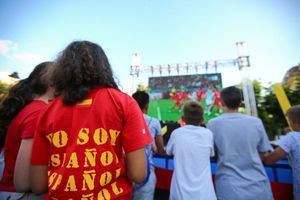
(192, 147)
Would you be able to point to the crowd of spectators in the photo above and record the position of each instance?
(68, 132)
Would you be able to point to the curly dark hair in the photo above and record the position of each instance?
(21, 94)
(82, 66)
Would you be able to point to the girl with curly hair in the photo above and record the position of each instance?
(91, 138)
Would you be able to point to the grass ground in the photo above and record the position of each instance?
(161, 109)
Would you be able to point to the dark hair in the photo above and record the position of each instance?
(293, 113)
(193, 113)
(80, 67)
(231, 97)
(142, 98)
(21, 94)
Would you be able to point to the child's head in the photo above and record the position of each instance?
(192, 113)
(142, 98)
(293, 115)
(231, 97)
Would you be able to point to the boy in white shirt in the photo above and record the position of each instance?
(192, 147)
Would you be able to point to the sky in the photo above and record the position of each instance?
(161, 31)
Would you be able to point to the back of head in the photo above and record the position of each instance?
(293, 115)
(38, 79)
(22, 94)
(231, 97)
(80, 67)
(193, 113)
(142, 98)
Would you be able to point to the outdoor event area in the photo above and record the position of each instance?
(150, 100)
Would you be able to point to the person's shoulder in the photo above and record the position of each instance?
(193, 129)
(56, 102)
(156, 121)
(216, 120)
(252, 119)
(156, 124)
(115, 95)
(35, 105)
(150, 119)
(205, 131)
(290, 139)
(112, 91)
(294, 134)
(213, 120)
(33, 108)
(178, 131)
(249, 117)
(52, 108)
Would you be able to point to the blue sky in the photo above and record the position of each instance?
(161, 31)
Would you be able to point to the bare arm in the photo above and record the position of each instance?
(136, 165)
(262, 155)
(39, 178)
(276, 155)
(160, 145)
(22, 167)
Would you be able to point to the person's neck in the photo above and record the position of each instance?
(43, 98)
(228, 110)
(47, 97)
(194, 124)
(145, 111)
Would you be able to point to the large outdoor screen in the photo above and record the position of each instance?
(168, 94)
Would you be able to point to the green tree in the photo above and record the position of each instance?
(269, 110)
(3, 89)
(142, 87)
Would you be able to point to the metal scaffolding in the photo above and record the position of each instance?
(242, 62)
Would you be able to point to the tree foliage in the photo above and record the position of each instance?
(269, 109)
(142, 87)
(3, 89)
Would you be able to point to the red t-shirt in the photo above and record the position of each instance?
(84, 144)
(22, 127)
